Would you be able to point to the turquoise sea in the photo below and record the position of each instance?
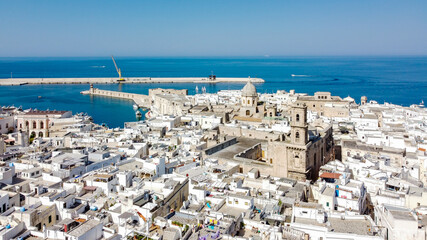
(399, 80)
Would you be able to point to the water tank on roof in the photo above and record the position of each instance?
(22, 209)
(11, 164)
(8, 226)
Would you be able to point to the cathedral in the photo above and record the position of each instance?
(298, 154)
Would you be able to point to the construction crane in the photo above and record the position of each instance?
(118, 70)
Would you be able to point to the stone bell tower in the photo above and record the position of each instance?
(296, 149)
(299, 127)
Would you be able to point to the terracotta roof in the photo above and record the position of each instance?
(90, 188)
(330, 175)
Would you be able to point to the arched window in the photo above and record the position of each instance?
(27, 124)
(297, 117)
(40, 134)
(297, 136)
(296, 155)
(248, 112)
(41, 125)
(249, 101)
(34, 124)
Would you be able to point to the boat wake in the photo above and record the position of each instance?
(97, 66)
(294, 75)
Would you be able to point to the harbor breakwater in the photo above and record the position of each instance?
(25, 81)
(141, 100)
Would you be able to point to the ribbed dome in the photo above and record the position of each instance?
(249, 90)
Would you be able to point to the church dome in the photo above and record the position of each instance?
(249, 90)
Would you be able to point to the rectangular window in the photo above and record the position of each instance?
(50, 219)
(327, 204)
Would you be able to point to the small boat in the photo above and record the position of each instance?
(421, 104)
(135, 107)
(295, 75)
(138, 114)
(39, 97)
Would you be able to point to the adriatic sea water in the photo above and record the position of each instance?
(399, 80)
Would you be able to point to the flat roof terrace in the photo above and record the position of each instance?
(241, 145)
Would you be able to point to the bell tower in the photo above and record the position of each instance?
(299, 127)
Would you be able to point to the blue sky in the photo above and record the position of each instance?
(212, 28)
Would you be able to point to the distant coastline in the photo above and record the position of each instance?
(37, 81)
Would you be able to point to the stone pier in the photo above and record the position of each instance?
(143, 101)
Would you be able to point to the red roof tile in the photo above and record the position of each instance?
(330, 175)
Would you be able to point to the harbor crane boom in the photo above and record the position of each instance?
(118, 70)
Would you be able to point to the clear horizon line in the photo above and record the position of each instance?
(222, 56)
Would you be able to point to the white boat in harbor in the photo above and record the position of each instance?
(295, 75)
(138, 114)
(135, 107)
